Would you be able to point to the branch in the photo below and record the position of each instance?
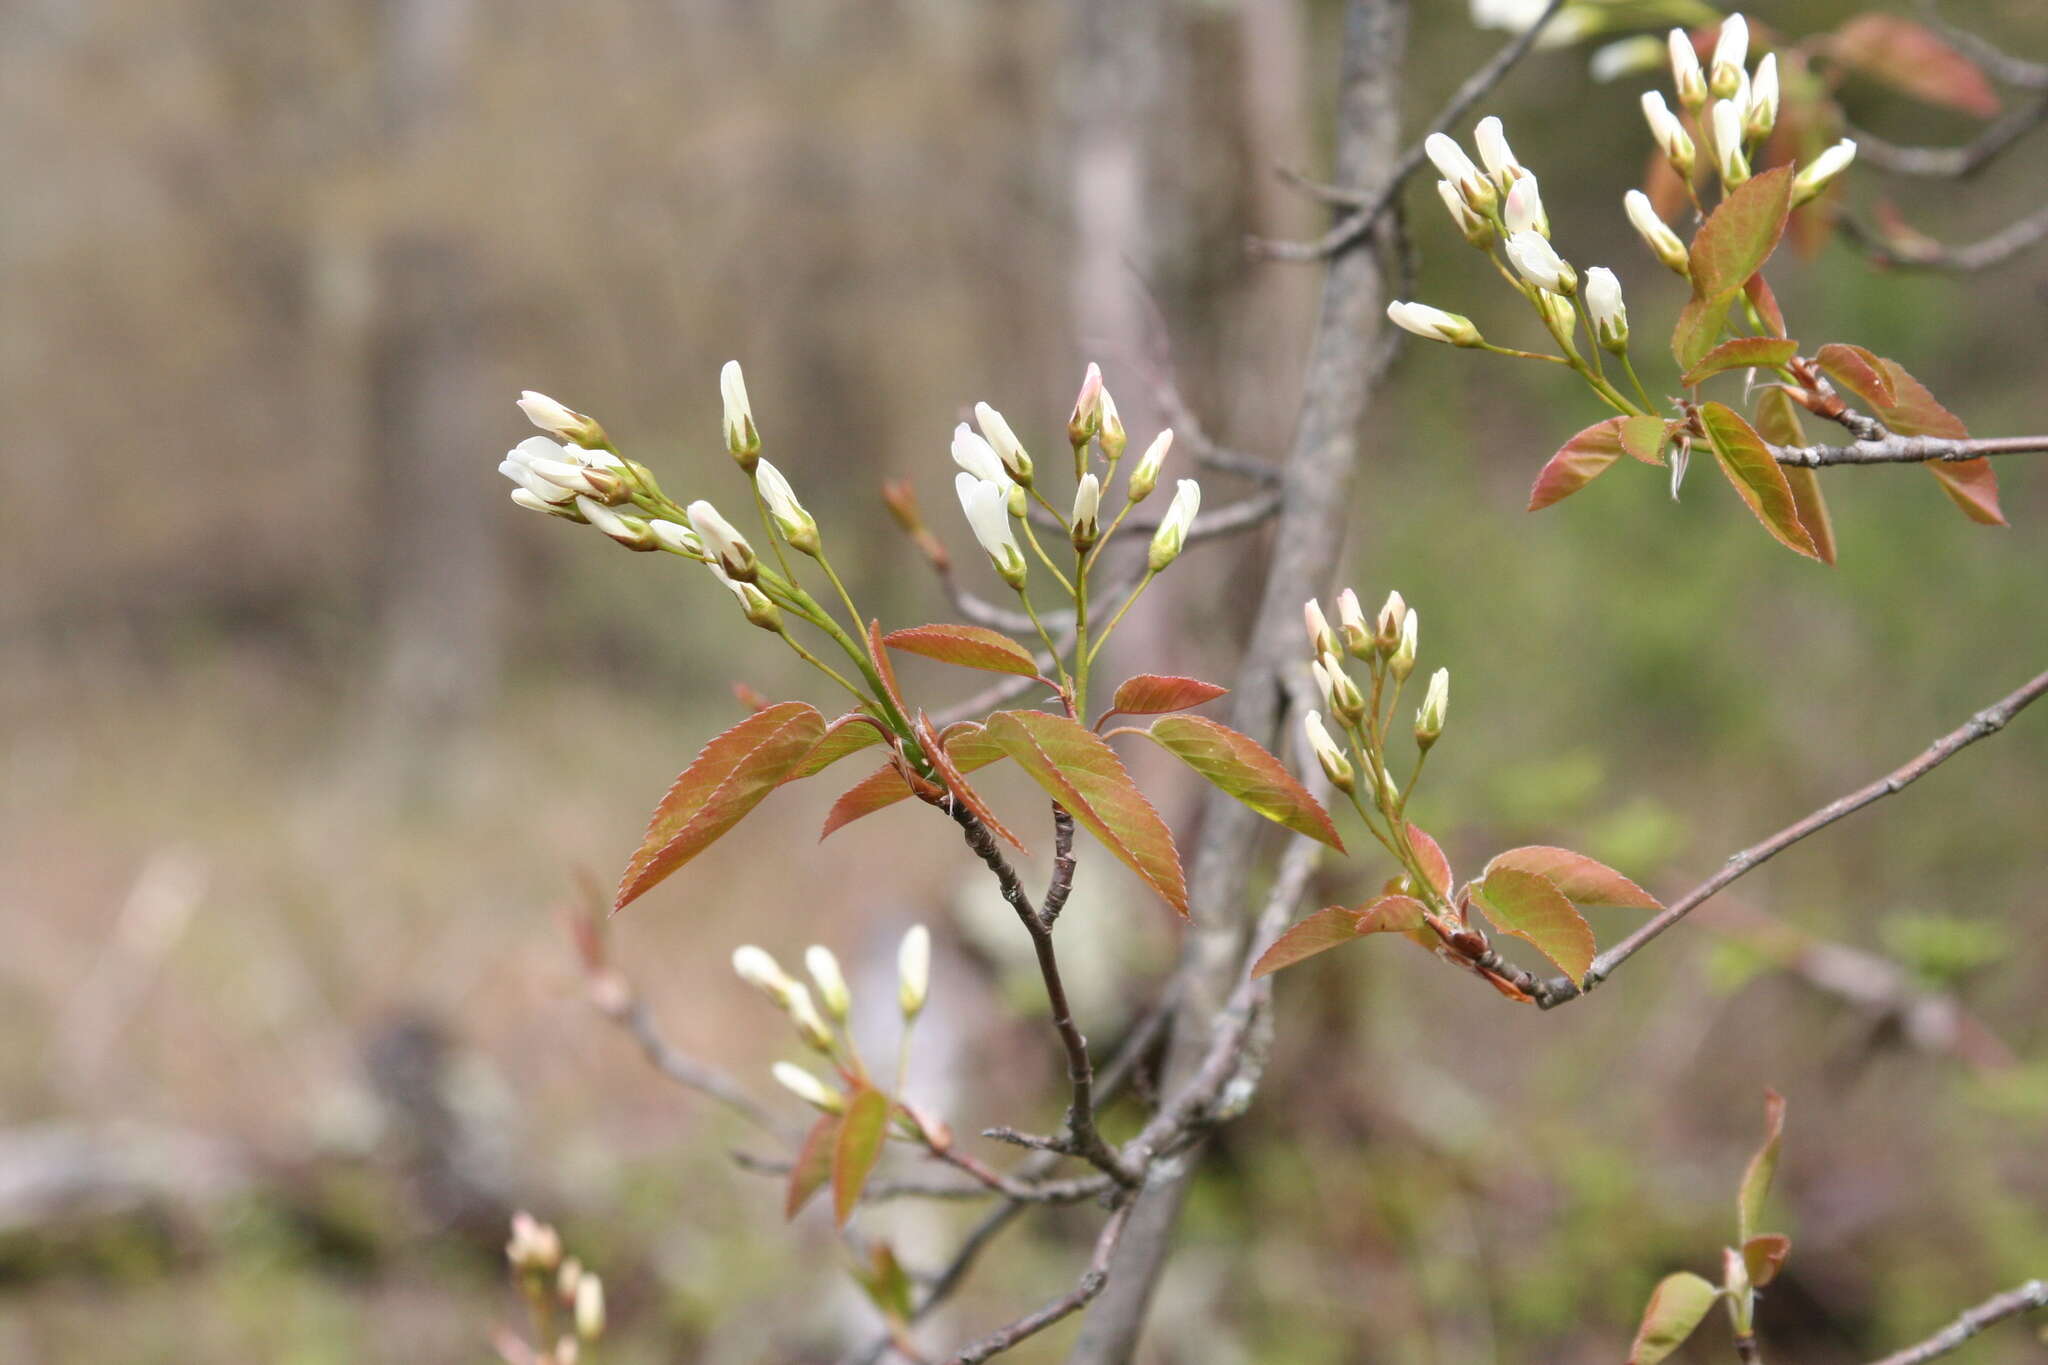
(1953, 163)
(2001, 64)
(1355, 225)
(687, 1071)
(1908, 450)
(1091, 1283)
(1927, 254)
(1989, 721)
(2029, 1296)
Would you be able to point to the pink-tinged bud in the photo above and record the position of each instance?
(914, 970)
(1731, 54)
(987, 508)
(1436, 705)
(1392, 613)
(1523, 211)
(1476, 230)
(1760, 113)
(727, 545)
(798, 527)
(1321, 639)
(1656, 233)
(830, 981)
(1729, 160)
(1825, 167)
(1085, 525)
(1086, 419)
(1669, 133)
(996, 429)
(1456, 167)
(631, 532)
(1145, 474)
(1538, 263)
(1335, 765)
(1111, 436)
(1433, 324)
(1494, 153)
(1606, 310)
(535, 1247)
(562, 422)
(1686, 76)
(742, 438)
(1172, 534)
(1352, 627)
(808, 1088)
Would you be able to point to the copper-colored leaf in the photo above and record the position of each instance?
(1858, 371)
(1643, 438)
(879, 655)
(849, 734)
(1328, 928)
(1748, 463)
(1433, 861)
(1153, 694)
(1394, 914)
(880, 789)
(957, 784)
(1677, 1305)
(813, 1165)
(1740, 354)
(967, 646)
(1777, 421)
(1903, 403)
(1740, 234)
(1756, 1177)
(1532, 908)
(1577, 463)
(1083, 774)
(857, 1148)
(1760, 293)
(1915, 60)
(1764, 1255)
(1698, 327)
(1582, 880)
(728, 778)
(1241, 766)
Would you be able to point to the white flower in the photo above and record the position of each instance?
(1335, 765)
(534, 1244)
(1456, 167)
(525, 498)
(1111, 434)
(1656, 232)
(1475, 229)
(589, 1307)
(830, 981)
(1352, 626)
(979, 458)
(675, 537)
(1433, 323)
(1173, 527)
(914, 970)
(1087, 505)
(558, 418)
(1145, 474)
(1669, 133)
(798, 527)
(1499, 158)
(1728, 156)
(1403, 661)
(988, 516)
(1605, 308)
(1731, 53)
(1325, 684)
(1436, 704)
(807, 1087)
(759, 969)
(1686, 76)
(741, 436)
(518, 467)
(1321, 639)
(727, 545)
(631, 532)
(1392, 613)
(1825, 167)
(1539, 264)
(1523, 211)
(1008, 448)
(1760, 114)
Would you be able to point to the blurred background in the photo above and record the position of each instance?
(307, 730)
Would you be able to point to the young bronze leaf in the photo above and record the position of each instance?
(1756, 1178)
(1083, 774)
(1746, 461)
(957, 784)
(849, 734)
(1390, 915)
(1677, 1305)
(1328, 928)
(969, 746)
(1433, 861)
(1154, 694)
(1532, 908)
(729, 777)
(967, 646)
(857, 1148)
(1699, 326)
(880, 789)
(1903, 403)
(1915, 60)
(1759, 291)
(1239, 765)
(1741, 354)
(1777, 421)
(1578, 462)
(1858, 371)
(1763, 1256)
(1582, 880)
(1740, 234)
(1972, 486)
(885, 669)
(813, 1164)
(1643, 438)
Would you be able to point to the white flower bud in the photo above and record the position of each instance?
(1523, 211)
(1476, 230)
(1086, 418)
(1352, 626)
(1604, 306)
(1172, 534)
(518, 467)
(798, 527)
(1538, 263)
(1814, 177)
(1624, 57)
(810, 1025)
(1403, 661)
(979, 458)
(1436, 704)
(1335, 765)
(1686, 76)
(829, 980)
(741, 436)
(754, 603)
(570, 478)
(1433, 323)
(987, 508)
(1321, 639)
(1729, 159)
(808, 1088)
(1656, 232)
(631, 532)
(1731, 54)
(1085, 523)
(1392, 613)
(996, 430)
(1669, 133)
(914, 970)
(1111, 434)
(759, 969)
(559, 420)
(727, 545)
(1326, 682)
(1499, 158)
(1390, 794)
(1340, 693)
(1145, 474)
(525, 498)
(535, 1247)
(1558, 314)
(589, 1307)
(676, 538)
(1760, 113)
(1456, 167)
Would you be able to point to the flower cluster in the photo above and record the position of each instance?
(825, 1032)
(554, 1284)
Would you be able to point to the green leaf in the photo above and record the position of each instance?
(1777, 421)
(857, 1148)
(967, 646)
(1740, 234)
(1740, 354)
(1643, 438)
(1915, 60)
(1582, 880)
(729, 777)
(1677, 1305)
(1083, 774)
(886, 1283)
(1532, 909)
(1153, 694)
(849, 734)
(1337, 925)
(813, 1164)
(1764, 1255)
(1756, 1178)
(958, 785)
(1243, 768)
(1746, 461)
(1579, 461)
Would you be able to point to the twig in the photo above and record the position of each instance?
(2029, 1296)
(1091, 1283)
(1989, 721)
(1953, 163)
(686, 1071)
(1908, 450)
(2002, 65)
(1983, 254)
(1363, 219)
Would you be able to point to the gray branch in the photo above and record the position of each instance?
(2025, 1299)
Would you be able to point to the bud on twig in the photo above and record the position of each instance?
(1352, 628)
(1606, 310)
(1340, 693)
(1729, 159)
(1452, 163)
(1814, 178)
(1086, 419)
(976, 456)
(1731, 53)
(1402, 663)
(631, 532)
(1656, 233)
(798, 527)
(1321, 639)
(987, 508)
(1523, 211)
(1538, 263)
(1668, 132)
(1499, 159)
(727, 546)
(565, 423)
(1760, 114)
(810, 1025)
(1172, 534)
(1085, 525)
(1144, 475)
(1392, 613)
(676, 538)
(914, 970)
(754, 604)
(1335, 765)
(829, 980)
(535, 1247)
(589, 1308)
(1557, 312)
(1686, 76)
(808, 1088)
(759, 969)
(1436, 704)
(1433, 323)
(1476, 229)
(996, 429)
(741, 436)
(1111, 436)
